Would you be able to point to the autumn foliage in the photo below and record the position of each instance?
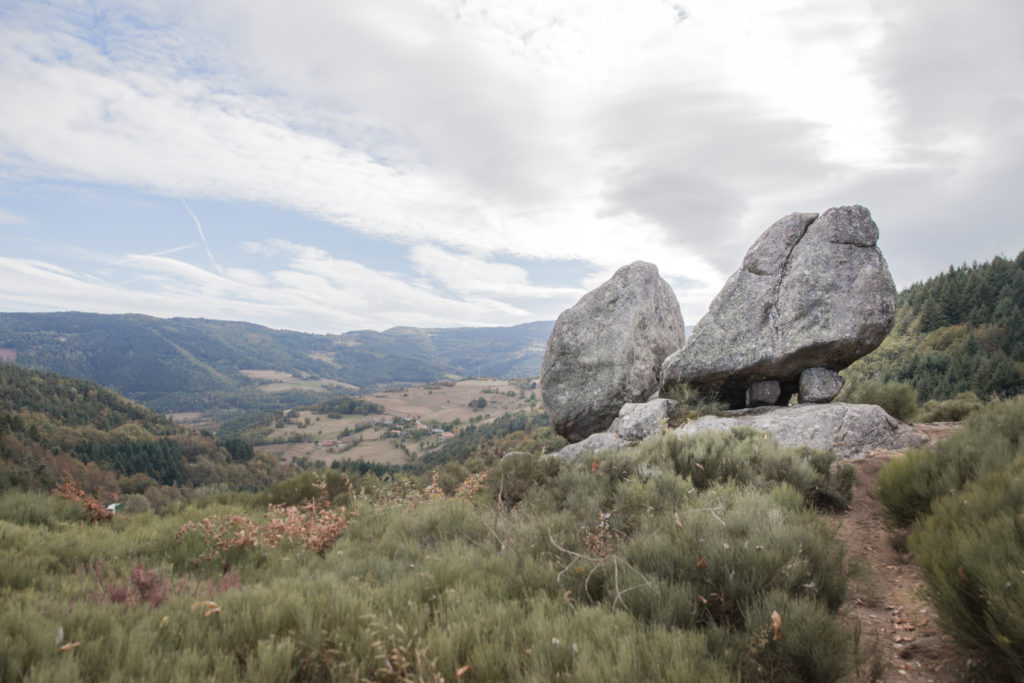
(70, 490)
(316, 524)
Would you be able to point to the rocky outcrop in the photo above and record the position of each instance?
(850, 430)
(608, 350)
(813, 291)
(636, 422)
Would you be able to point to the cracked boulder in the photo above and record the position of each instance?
(849, 430)
(608, 349)
(813, 292)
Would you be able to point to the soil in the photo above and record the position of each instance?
(888, 595)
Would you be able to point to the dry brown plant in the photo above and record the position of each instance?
(70, 490)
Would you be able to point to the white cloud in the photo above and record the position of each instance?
(470, 276)
(468, 131)
(8, 218)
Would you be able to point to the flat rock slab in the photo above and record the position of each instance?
(595, 443)
(850, 430)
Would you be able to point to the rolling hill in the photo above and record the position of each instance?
(181, 364)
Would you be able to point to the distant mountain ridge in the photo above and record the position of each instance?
(192, 363)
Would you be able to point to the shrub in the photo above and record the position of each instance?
(896, 398)
(23, 507)
(988, 441)
(693, 403)
(971, 550)
(795, 639)
(951, 410)
(746, 456)
(135, 503)
(511, 477)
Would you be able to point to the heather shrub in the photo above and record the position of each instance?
(512, 476)
(951, 410)
(619, 567)
(746, 456)
(896, 398)
(988, 441)
(29, 507)
(794, 639)
(971, 550)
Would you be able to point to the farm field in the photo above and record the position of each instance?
(436, 406)
(276, 380)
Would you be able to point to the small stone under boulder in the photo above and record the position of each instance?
(763, 393)
(813, 292)
(850, 430)
(820, 385)
(608, 350)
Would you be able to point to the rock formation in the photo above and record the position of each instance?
(608, 350)
(850, 430)
(636, 422)
(813, 292)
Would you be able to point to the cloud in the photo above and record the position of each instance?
(8, 218)
(471, 134)
(470, 276)
(472, 158)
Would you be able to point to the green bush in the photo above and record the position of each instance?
(512, 476)
(950, 410)
(746, 456)
(612, 568)
(896, 398)
(24, 507)
(988, 441)
(971, 550)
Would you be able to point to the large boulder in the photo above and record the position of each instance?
(608, 350)
(813, 291)
(850, 430)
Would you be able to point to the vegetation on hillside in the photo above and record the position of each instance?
(623, 568)
(964, 502)
(52, 426)
(961, 331)
(183, 364)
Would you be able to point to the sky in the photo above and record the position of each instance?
(331, 165)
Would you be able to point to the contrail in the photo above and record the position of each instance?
(202, 236)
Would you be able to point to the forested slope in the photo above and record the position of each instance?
(180, 364)
(959, 331)
(52, 425)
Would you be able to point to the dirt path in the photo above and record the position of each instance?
(888, 594)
